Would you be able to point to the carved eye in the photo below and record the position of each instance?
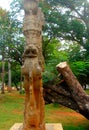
(34, 51)
(27, 51)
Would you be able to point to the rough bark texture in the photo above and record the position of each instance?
(9, 76)
(3, 72)
(33, 65)
(68, 92)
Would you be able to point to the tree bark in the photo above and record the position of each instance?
(3, 67)
(69, 92)
(9, 76)
(33, 65)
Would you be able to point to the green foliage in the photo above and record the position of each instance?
(87, 52)
(80, 68)
(16, 7)
(11, 38)
(53, 55)
(81, 71)
(56, 105)
(53, 51)
(15, 75)
(22, 91)
(68, 20)
(4, 31)
(75, 52)
(48, 76)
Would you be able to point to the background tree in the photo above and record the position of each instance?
(11, 39)
(68, 20)
(15, 75)
(3, 40)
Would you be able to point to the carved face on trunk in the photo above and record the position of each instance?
(30, 51)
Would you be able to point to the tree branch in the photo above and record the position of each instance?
(69, 92)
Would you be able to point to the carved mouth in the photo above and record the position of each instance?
(31, 56)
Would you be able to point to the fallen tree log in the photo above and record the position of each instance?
(69, 92)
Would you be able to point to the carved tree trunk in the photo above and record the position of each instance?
(69, 92)
(33, 66)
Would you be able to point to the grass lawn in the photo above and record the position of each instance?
(12, 107)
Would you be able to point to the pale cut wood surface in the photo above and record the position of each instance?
(49, 126)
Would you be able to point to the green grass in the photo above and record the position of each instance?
(12, 106)
(76, 127)
(11, 110)
(87, 91)
(70, 119)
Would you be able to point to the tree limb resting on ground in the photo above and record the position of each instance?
(69, 92)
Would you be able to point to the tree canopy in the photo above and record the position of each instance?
(68, 20)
